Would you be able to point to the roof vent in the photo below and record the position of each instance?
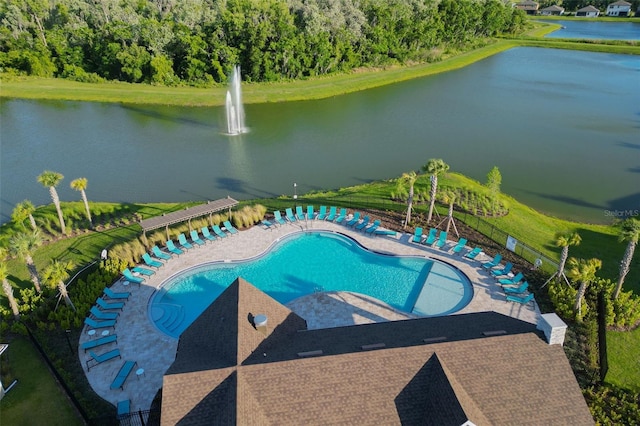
(435, 339)
(373, 346)
(260, 320)
(309, 354)
(494, 333)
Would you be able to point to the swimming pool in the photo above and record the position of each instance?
(308, 262)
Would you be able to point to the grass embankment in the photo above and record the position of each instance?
(309, 89)
(36, 399)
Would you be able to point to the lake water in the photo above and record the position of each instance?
(562, 126)
(596, 30)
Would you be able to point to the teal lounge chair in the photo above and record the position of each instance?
(342, 215)
(332, 214)
(116, 295)
(442, 239)
(354, 220)
(123, 373)
(511, 281)
(142, 271)
(310, 213)
(495, 262)
(150, 262)
(159, 253)
(90, 344)
(99, 359)
(372, 228)
(277, 216)
(522, 300)
(207, 234)
(362, 224)
(182, 240)
(516, 290)
(289, 215)
(417, 235)
(458, 247)
(99, 315)
(128, 275)
(124, 409)
(300, 213)
(173, 249)
(267, 224)
(473, 253)
(431, 238)
(322, 214)
(384, 232)
(107, 305)
(196, 238)
(229, 227)
(99, 324)
(219, 232)
(503, 271)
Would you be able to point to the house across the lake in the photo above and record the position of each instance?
(529, 7)
(588, 12)
(554, 10)
(620, 8)
(249, 360)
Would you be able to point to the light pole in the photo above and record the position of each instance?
(295, 194)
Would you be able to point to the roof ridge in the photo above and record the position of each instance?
(468, 405)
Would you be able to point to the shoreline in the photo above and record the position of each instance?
(56, 89)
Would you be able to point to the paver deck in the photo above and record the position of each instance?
(154, 351)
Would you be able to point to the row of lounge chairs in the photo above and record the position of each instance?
(332, 215)
(514, 286)
(98, 317)
(196, 240)
(104, 315)
(432, 239)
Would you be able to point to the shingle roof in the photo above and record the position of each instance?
(489, 369)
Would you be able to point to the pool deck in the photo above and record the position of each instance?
(139, 340)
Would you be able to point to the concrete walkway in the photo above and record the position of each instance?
(139, 340)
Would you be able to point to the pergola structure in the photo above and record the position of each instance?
(187, 214)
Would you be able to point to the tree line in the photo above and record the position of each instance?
(197, 42)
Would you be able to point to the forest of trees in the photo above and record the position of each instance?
(197, 42)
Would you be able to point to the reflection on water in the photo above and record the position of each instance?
(563, 133)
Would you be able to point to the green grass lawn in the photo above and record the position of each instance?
(623, 349)
(36, 399)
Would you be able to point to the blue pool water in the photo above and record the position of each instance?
(315, 261)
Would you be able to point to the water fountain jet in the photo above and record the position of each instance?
(233, 105)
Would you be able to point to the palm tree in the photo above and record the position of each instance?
(583, 271)
(408, 179)
(434, 167)
(629, 232)
(565, 240)
(50, 180)
(449, 197)
(55, 275)
(22, 211)
(8, 290)
(80, 184)
(22, 245)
